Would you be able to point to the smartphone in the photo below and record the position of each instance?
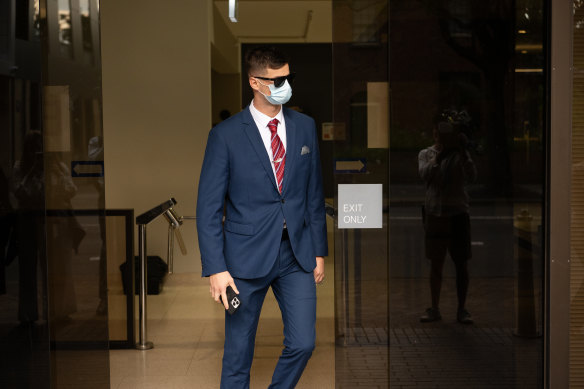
(233, 299)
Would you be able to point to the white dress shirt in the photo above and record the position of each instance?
(261, 120)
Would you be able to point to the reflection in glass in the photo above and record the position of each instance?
(84, 8)
(53, 306)
(23, 267)
(85, 25)
(29, 190)
(36, 22)
(486, 59)
(27, 19)
(6, 218)
(65, 27)
(65, 234)
(75, 204)
(360, 110)
(368, 18)
(446, 167)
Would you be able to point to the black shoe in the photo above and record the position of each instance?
(431, 315)
(463, 316)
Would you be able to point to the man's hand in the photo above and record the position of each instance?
(219, 283)
(319, 270)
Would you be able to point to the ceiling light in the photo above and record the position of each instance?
(522, 32)
(233, 10)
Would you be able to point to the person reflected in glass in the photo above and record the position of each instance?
(95, 153)
(6, 227)
(446, 167)
(28, 188)
(64, 234)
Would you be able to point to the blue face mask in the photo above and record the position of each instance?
(279, 95)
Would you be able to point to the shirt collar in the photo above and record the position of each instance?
(263, 119)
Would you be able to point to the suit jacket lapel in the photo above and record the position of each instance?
(291, 148)
(253, 133)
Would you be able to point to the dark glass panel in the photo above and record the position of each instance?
(53, 322)
(24, 330)
(479, 172)
(360, 80)
(74, 179)
(22, 19)
(463, 177)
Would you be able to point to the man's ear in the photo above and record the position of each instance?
(253, 83)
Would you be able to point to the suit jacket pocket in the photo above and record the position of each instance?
(238, 228)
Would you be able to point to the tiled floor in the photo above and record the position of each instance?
(186, 327)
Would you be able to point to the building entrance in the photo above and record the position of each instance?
(431, 118)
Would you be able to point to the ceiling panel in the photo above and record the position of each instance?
(280, 21)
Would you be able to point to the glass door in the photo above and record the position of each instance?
(440, 105)
(360, 137)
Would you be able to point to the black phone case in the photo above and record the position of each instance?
(233, 298)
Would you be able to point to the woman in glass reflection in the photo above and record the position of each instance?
(446, 167)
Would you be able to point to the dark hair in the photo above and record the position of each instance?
(260, 58)
(459, 120)
(224, 114)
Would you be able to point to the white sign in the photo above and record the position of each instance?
(360, 206)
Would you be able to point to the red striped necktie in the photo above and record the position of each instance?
(278, 152)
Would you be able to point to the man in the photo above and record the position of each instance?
(446, 167)
(262, 167)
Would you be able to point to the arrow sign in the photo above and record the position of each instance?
(351, 166)
(87, 169)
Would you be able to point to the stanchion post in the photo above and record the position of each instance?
(143, 344)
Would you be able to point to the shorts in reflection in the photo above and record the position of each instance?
(448, 233)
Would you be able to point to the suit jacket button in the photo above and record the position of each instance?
(283, 201)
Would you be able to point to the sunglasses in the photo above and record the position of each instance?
(279, 81)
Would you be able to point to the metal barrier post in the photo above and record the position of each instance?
(143, 344)
(172, 230)
(142, 220)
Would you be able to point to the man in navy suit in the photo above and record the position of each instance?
(262, 174)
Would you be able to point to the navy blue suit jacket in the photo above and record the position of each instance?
(237, 175)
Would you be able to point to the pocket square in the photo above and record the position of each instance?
(305, 150)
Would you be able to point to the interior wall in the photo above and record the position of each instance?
(226, 84)
(157, 110)
(225, 46)
(226, 94)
